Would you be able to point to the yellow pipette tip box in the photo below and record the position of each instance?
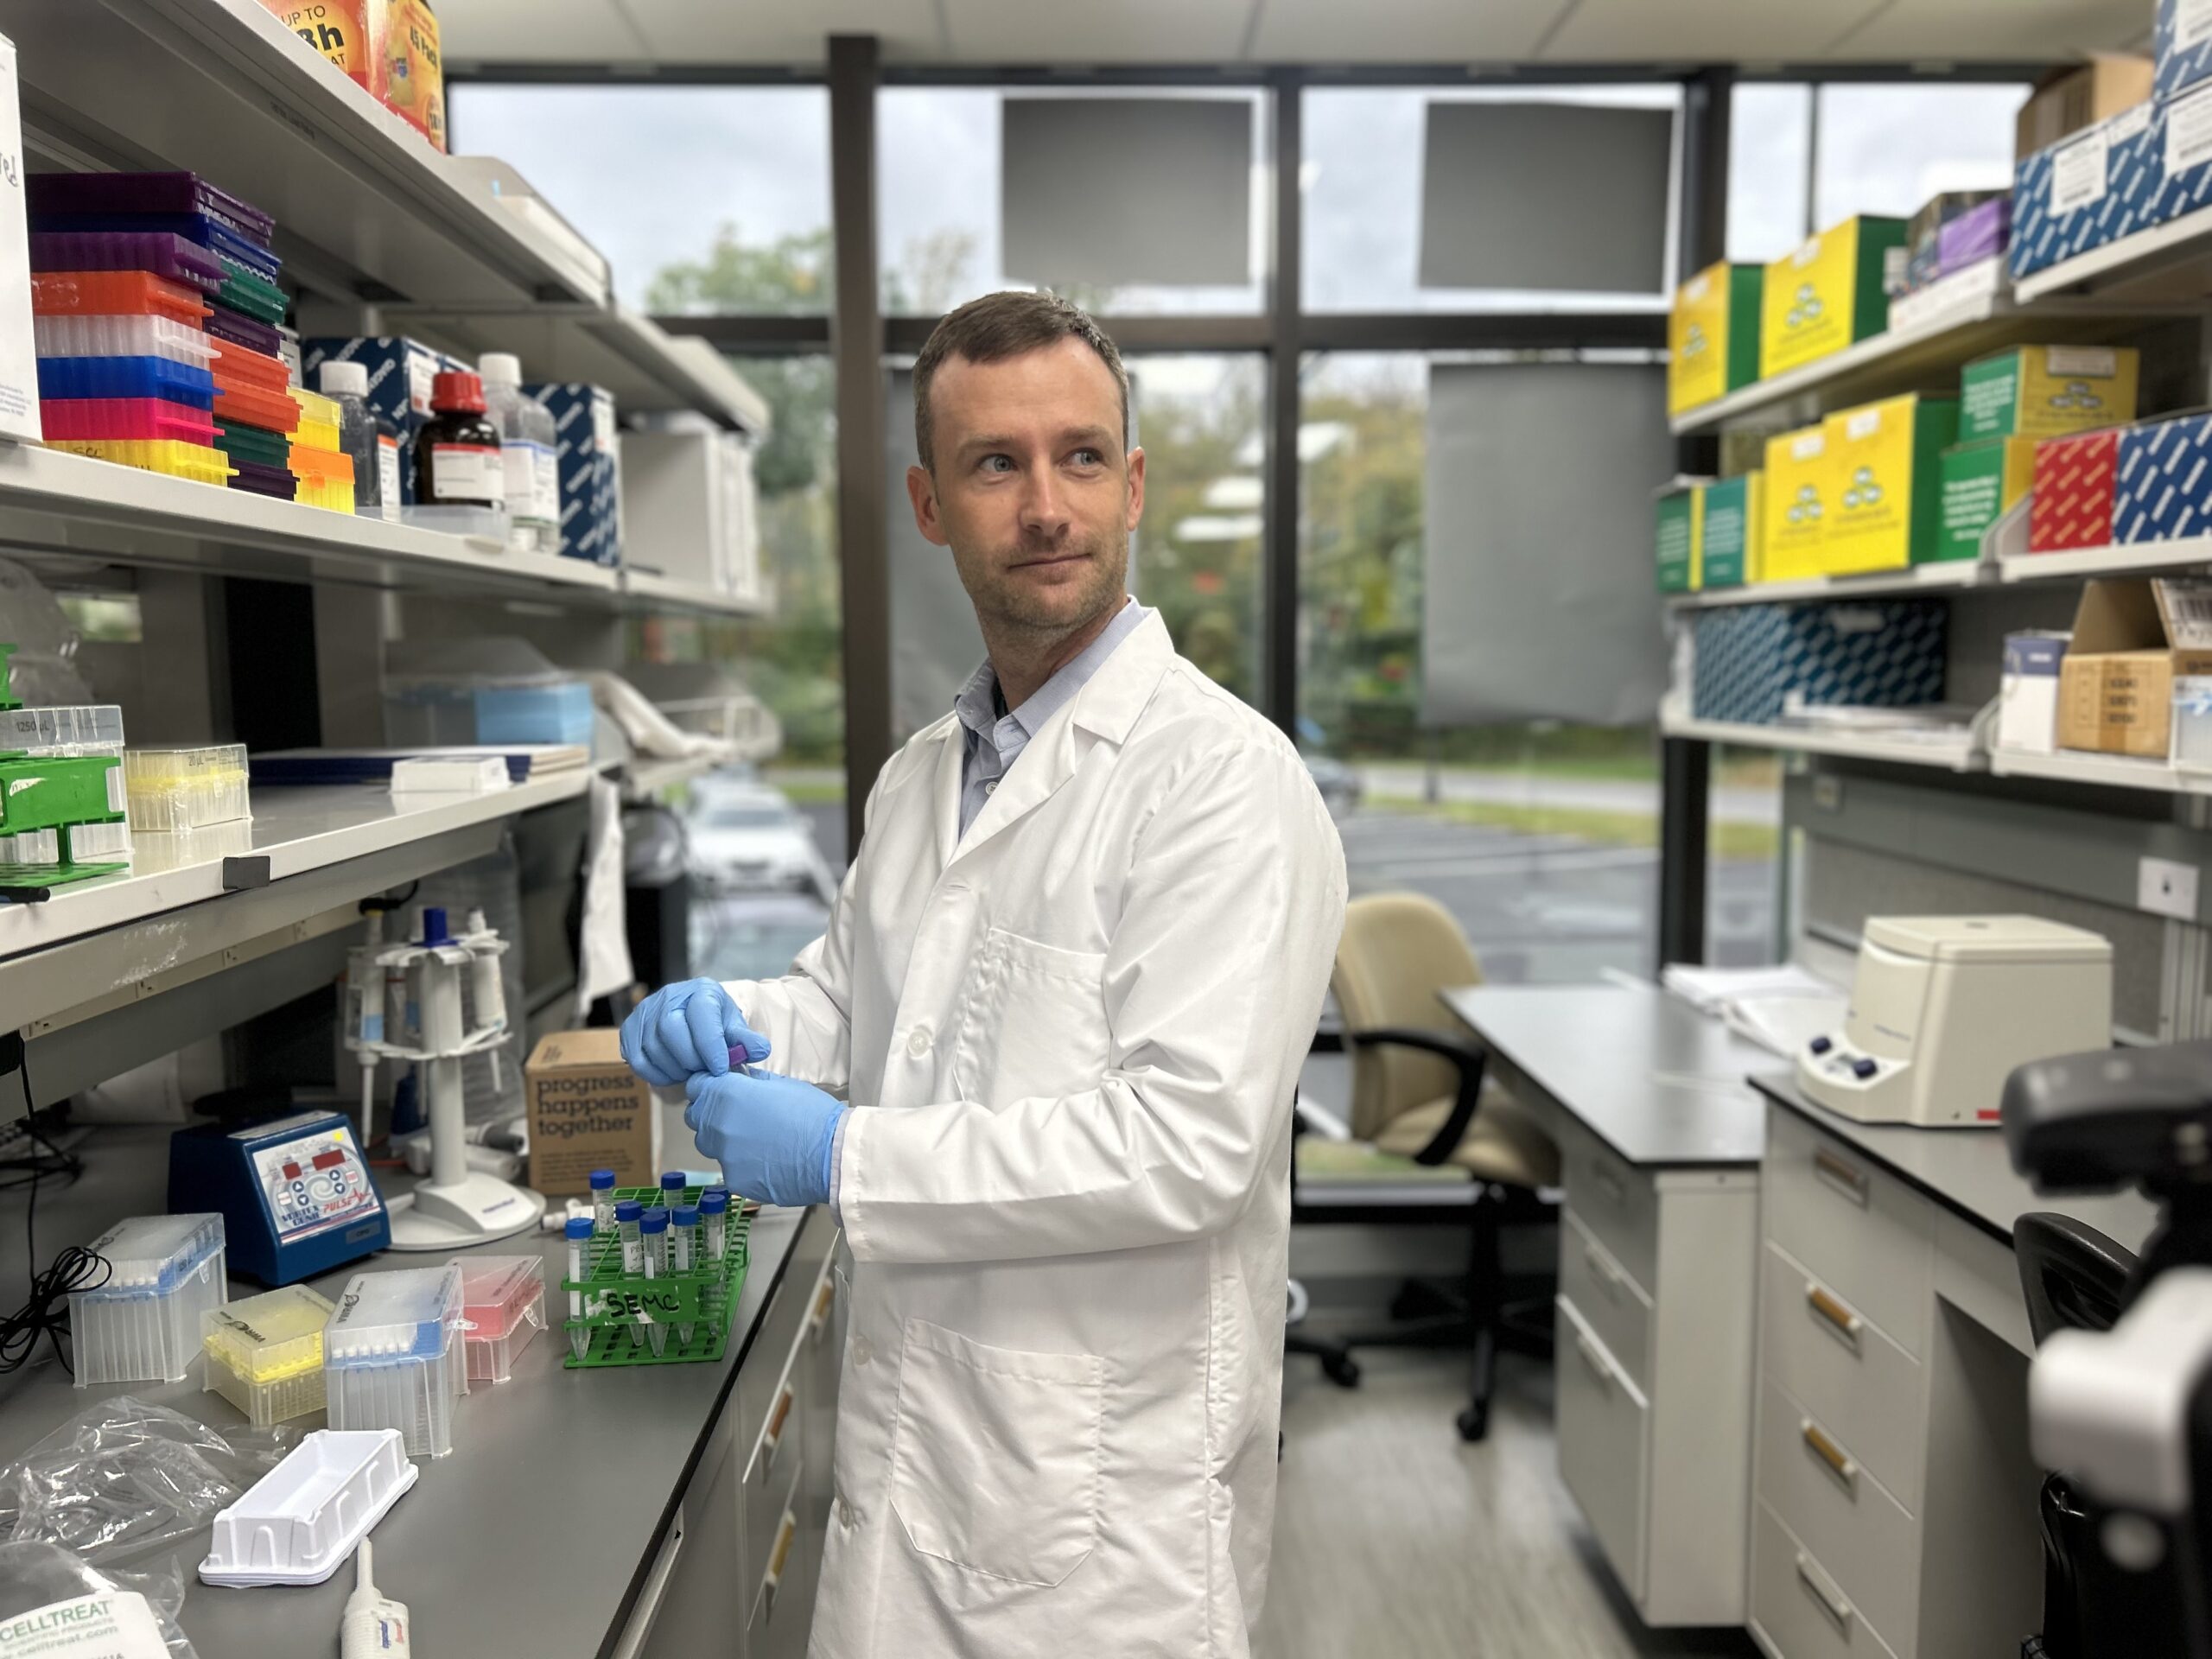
(187, 787)
(265, 1354)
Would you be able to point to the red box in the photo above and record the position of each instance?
(2075, 480)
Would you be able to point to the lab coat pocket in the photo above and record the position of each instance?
(1034, 1021)
(995, 1459)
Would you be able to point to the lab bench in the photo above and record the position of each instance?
(1792, 1348)
(606, 1512)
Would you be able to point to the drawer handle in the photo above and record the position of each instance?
(1608, 1275)
(1840, 1173)
(786, 1531)
(818, 1321)
(1847, 1324)
(1829, 1597)
(1839, 1462)
(1594, 1358)
(773, 1436)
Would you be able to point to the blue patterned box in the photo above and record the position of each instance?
(2181, 44)
(1751, 659)
(2186, 153)
(2096, 187)
(400, 373)
(583, 451)
(2163, 481)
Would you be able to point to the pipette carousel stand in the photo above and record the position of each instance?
(457, 1205)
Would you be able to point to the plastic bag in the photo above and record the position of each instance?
(127, 1476)
(53, 1604)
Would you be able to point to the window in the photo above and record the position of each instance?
(1770, 150)
(937, 194)
(1362, 194)
(704, 198)
(1542, 838)
(1884, 148)
(1744, 871)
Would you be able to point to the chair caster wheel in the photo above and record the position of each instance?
(1473, 1423)
(1341, 1370)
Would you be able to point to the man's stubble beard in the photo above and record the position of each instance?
(1008, 602)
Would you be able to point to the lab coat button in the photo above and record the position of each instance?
(845, 1514)
(918, 1044)
(863, 1351)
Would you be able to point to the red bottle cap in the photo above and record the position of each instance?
(457, 389)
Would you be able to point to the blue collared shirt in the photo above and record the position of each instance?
(994, 741)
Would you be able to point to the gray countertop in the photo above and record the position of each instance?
(1652, 1078)
(1967, 1170)
(531, 1537)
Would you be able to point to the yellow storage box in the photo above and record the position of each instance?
(1886, 466)
(1799, 491)
(1829, 292)
(1713, 335)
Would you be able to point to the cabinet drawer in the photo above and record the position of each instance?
(1815, 1485)
(1824, 1352)
(1610, 1303)
(1603, 1421)
(1616, 1201)
(1867, 1235)
(1796, 1606)
(781, 1449)
(783, 1603)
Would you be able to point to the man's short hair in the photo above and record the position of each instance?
(1003, 326)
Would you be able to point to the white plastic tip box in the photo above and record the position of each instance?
(298, 1522)
(165, 1274)
(391, 1355)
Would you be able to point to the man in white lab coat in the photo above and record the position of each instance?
(1066, 990)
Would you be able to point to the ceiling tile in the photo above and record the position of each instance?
(1126, 31)
(527, 31)
(785, 31)
(1701, 31)
(1403, 31)
(2015, 30)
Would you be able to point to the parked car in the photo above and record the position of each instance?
(754, 935)
(748, 837)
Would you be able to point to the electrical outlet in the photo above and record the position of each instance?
(2165, 886)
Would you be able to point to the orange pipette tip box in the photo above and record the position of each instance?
(114, 294)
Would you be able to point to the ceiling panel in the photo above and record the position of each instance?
(1702, 31)
(1404, 31)
(1125, 31)
(785, 31)
(1915, 29)
(528, 31)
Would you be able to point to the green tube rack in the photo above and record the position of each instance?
(618, 1308)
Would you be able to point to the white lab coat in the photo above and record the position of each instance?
(1073, 1038)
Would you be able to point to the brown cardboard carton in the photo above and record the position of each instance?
(2067, 100)
(587, 1110)
(2116, 684)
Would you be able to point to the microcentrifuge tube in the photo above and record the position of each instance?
(672, 1186)
(683, 1251)
(654, 1224)
(714, 1212)
(579, 1231)
(603, 1199)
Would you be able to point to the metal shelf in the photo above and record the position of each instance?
(54, 502)
(2109, 771)
(1923, 355)
(2134, 559)
(188, 900)
(1873, 584)
(1961, 755)
(365, 209)
(2167, 265)
(649, 591)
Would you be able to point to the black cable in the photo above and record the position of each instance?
(46, 1313)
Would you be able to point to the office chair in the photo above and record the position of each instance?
(2075, 1278)
(1430, 1138)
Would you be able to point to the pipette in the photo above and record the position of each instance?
(683, 1247)
(603, 1199)
(372, 1626)
(579, 1230)
(654, 1224)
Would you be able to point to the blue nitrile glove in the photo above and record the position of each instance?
(774, 1136)
(686, 1028)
